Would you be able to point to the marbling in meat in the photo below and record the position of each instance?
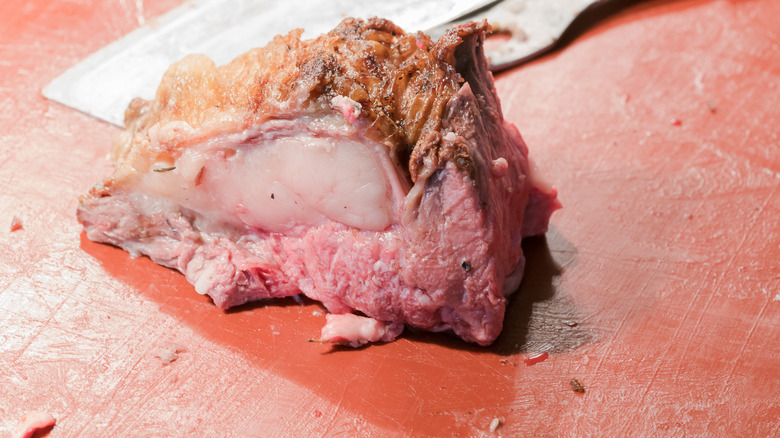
(369, 168)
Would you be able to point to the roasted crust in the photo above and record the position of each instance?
(401, 80)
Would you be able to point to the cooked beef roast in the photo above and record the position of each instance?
(369, 168)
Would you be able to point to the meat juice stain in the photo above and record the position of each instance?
(16, 224)
(535, 359)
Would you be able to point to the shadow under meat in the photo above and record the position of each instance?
(540, 317)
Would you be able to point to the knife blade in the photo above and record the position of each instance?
(103, 84)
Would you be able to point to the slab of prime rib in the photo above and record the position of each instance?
(369, 169)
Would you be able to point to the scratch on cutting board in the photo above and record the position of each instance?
(738, 359)
(337, 408)
(389, 417)
(698, 84)
(735, 109)
(625, 317)
(647, 389)
(720, 280)
(139, 10)
(651, 84)
(684, 318)
(43, 326)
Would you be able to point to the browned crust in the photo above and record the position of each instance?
(401, 80)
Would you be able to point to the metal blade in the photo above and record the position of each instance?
(104, 84)
(530, 25)
(535, 27)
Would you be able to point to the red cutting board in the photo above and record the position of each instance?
(657, 286)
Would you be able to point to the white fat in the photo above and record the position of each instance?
(512, 282)
(352, 329)
(380, 267)
(193, 271)
(204, 278)
(282, 182)
(537, 180)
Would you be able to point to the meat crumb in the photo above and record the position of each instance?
(577, 386)
(495, 424)
(354, 330)
(348, 107)
(33, 422)
(168, 353)
(536, 358)
(16, 224)
(317, 414)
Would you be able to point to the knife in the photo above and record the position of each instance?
(103, 84)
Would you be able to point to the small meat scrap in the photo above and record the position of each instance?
(495, 424)
(33, 422)
(577, 386)
(348, 107)
(536, 358)
(354, 330)
(168, 353)
(16, 224)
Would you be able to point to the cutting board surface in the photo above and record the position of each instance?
(657, 286)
